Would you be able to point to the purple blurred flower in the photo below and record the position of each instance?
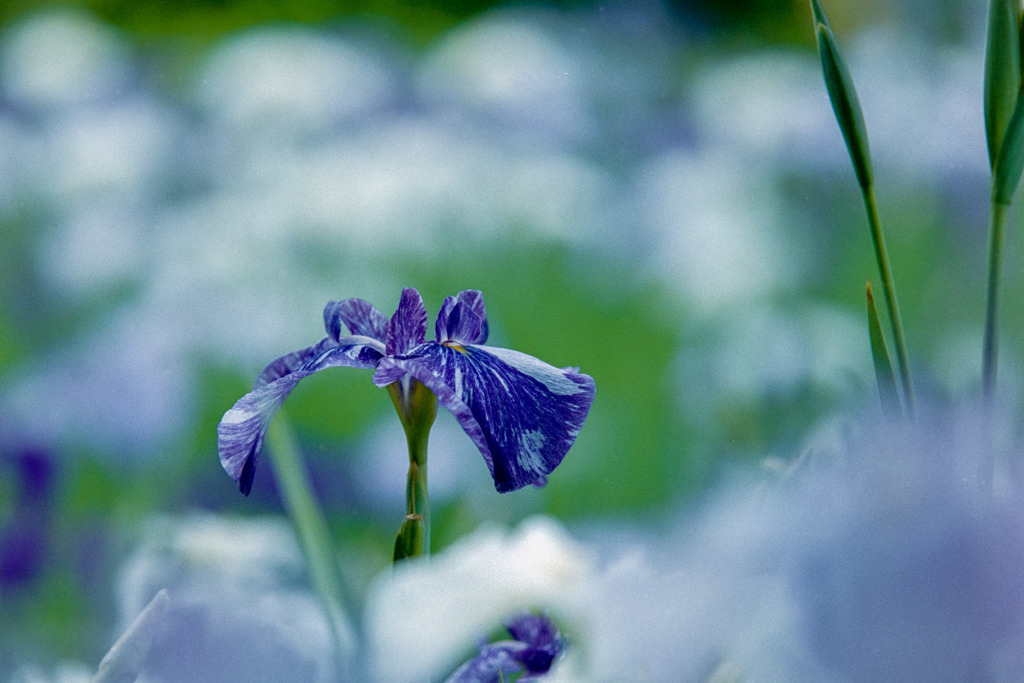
(535, 644)
(522, 413)
(25, 534)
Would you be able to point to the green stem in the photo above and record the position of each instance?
(416, 501)
(313, 535)
(417, 407)
(997, 227)
(889, 287)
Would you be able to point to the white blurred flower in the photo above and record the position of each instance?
(121, 390)
(715, 223)
(126, 149)
(66, 672)
(921, 103)
(96, 248)
(290, 79)
(513, 72)
(763, 353)
(239, 605)
(770, 105)
(423, 616)
(883, 555)
(62, 58)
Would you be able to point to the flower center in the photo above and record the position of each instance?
(454, 345)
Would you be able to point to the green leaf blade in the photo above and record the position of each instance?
(1010, 162)
(884, 376)
(819, 14)
(845, 103)
(1002, 71)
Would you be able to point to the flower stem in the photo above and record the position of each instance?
(889, 287)
(417, 407)
(997, 226)
(313, 535)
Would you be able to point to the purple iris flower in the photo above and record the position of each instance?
(535, 644)
(522, 413)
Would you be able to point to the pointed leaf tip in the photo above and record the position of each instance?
(845, 103)
(819, 14)
(1002, 71)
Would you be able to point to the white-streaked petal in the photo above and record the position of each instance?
(522, 413)
(243, 428)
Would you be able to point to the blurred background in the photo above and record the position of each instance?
(655, 192)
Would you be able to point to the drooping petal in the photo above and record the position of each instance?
(457, 322)
(359, 316)
(408, 327)
(291, 362)
(522, 413)
(243, 428)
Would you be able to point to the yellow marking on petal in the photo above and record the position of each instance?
(454, 345)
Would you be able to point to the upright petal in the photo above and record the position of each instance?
(359, 316)
(474, 298)
(243, 428)
(522, 413)
(408, 327)
(457, 322)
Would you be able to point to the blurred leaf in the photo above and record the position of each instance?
(883, 365)
(1002, 71)
(312, 532)
(1010, 162)
(844, 98)
(123, 663)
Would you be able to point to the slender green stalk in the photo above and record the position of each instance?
(313, 535)
(417, 407)
(889, 288)
(997, 228)
(1006, 174)
(847, 110)
(883, 366)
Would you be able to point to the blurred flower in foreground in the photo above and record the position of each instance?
(239, 606)
(522, 413)
(433, 612)
(880, 556)
(535, 644)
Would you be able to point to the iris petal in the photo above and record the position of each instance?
(243, 428)
(522, 413)
(535, 645)
(360, 316)
(472, 298)
(408, 326)
(494, 663)
(457, 322)
(291, 362)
